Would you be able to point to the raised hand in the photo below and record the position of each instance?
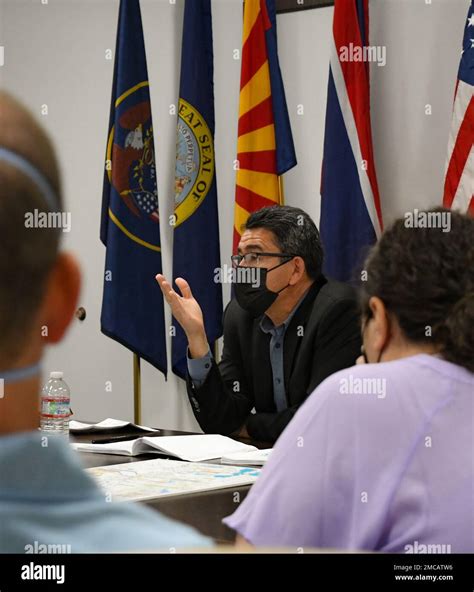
(187, 312)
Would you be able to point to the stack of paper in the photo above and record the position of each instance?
(252, 458)
(108, 425)
(192, 448)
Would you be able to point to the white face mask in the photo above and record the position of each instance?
(34, 174)
(19, 374)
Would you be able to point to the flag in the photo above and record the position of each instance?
(132, 305)
(196, 249)
(265, 148)
(459, 181)
(351, 217)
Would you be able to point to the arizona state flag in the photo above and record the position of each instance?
(265, 148)
(132, 306)
(196, 251)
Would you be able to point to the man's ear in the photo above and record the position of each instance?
(380, 323)
(299, 270)
(61, 296)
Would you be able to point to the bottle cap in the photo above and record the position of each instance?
(56, 375)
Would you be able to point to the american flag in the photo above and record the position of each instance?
(459, 182)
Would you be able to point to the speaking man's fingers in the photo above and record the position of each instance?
(175, 302)
(166, 289)
(160, 279)
(184, 287)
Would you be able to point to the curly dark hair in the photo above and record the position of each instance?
(425, 277)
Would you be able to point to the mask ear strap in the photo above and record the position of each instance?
(34, 174)
(362, 348)
(283, 289)
(19, 374)
(363, 354)
(389, 332)
(280, 264)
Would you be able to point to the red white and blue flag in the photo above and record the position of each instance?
(351, 217)
(459, 181)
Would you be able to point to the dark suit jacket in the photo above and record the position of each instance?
(322, 338)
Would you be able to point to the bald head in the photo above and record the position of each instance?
(27, 254)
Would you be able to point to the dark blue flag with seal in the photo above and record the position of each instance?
(132, 305)
(196, 251)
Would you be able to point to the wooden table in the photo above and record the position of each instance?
(204, 511)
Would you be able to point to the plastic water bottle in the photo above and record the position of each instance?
(55, 405)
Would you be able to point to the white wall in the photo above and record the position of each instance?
(424, 43)
(55, 55)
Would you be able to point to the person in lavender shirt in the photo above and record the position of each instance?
(380, 456)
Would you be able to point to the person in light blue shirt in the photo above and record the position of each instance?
(47, 502)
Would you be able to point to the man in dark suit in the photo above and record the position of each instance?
(286, 330)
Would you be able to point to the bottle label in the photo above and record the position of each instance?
(55, 408)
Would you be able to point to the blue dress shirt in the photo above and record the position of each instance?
(46, 498)
(198, 368)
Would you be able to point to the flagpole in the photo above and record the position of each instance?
(216, 352)
(281, 191)
(137, 395)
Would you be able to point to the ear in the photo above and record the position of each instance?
(60, 300)
(380, 330)
(298, 272)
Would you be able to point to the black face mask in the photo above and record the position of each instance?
(251, 290)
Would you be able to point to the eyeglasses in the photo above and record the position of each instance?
(253, 259)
